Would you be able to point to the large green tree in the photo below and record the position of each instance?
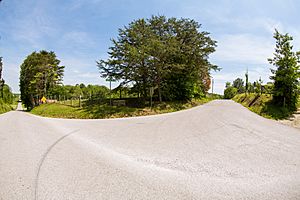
(40, 72)
(286, 76)
(170, 55)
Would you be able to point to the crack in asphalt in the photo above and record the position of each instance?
(44, 158)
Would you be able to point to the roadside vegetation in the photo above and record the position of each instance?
(72, 110)
(263, 105)
(278, 99)
(7, 99)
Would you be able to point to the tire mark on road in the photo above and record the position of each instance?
(44, 158)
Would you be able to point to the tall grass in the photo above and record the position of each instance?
(262, 105)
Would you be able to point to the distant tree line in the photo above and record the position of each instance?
(238, 86)
(167, 54)
(65, 92)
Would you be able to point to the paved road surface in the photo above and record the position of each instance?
(217, 151)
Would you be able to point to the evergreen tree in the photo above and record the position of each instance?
(286, 76)
(1, 79)
(247, 82)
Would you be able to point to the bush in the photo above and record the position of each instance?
(230, 92)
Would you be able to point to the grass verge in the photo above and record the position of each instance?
(262, 105)
(97, 111)
(5, 107)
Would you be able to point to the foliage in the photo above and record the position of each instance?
(4, 107)
(97, 111)
(230, 92)
(170, 55)
(286, 76)
(6, 100)
(6, 96)
(258, 87)
(1, 78)
(40, 72)
(247, 82)
(64, 92)
(239, 85)
(236, 87)
(262, 105)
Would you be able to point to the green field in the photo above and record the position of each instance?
(96, 111)
(262, 105)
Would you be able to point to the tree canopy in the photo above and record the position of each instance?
(168, 54)
(40, 72)
(286, 76)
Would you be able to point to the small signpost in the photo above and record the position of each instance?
(110, 79)
(43, 99)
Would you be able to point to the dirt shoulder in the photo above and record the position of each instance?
(293, 121)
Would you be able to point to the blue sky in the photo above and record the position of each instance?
(79, 32)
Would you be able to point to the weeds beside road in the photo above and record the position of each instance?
(262, 105)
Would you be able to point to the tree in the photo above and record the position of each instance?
(40, 72)
(247, 82)
(7, 94)
(230, 92)
(239, 85)
(1, 79)
(258, 87)
(286, 76)
(228, 84)
(170, 55)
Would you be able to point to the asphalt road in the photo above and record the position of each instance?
(216, 151)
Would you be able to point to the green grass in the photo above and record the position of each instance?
(96, 111)
(262, 105)
(5, 107)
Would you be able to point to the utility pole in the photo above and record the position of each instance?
(1, 79)
(110, 79)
